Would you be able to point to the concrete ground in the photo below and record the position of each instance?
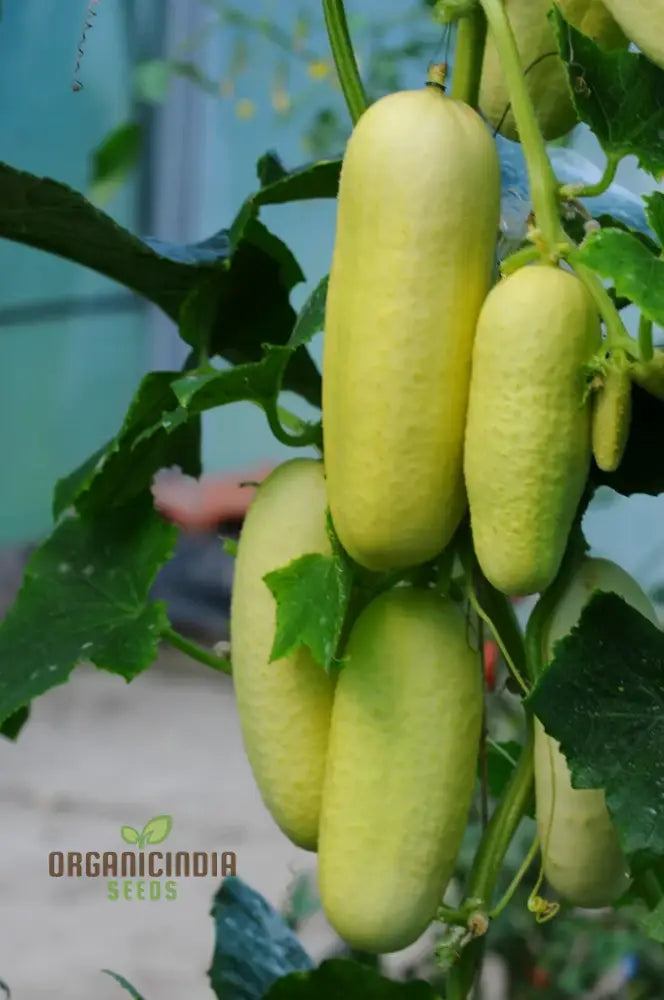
(98, 754)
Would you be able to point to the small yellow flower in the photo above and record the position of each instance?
(318, 69)
(245, 108)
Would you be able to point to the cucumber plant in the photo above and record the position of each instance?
(462, 400)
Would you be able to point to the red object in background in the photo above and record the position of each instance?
(540, 978)
(202, 504)
(491, 657)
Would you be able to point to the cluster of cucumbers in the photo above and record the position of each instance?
(441, 395)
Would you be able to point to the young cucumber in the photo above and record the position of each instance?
(643, 23)
(611, 420)
(416, 228)
(527, 451)
(582, 857)
(401, 769)
(544, 69)
(285, 706)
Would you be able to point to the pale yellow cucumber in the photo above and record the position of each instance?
(544, 69)
(582, 857)
(401, 769)
(612, 415)
(643, 23)
(528, 445)
(285, 706)
(415, 236)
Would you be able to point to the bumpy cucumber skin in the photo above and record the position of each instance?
(285, 706)
(643, 23)
(401, 769)
(546, 76)
(417, 218)
(583, 860)
(528, 447)
(612, 415)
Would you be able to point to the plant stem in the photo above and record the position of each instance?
(517, 260)
(468, 57)
(569, 191)
(195, 651)
(543, 181)
(502, 826)
(344, 57)
(645, 338)
(488, 862)
(617, 337)
(310, 435)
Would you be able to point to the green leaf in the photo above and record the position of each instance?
(602, 698)
(156, 830)
(129, 834)
(312, 595)
(340, 978)
(653, 923)
(637, 273)
(152, 80)
(642, 467)
(85, 598)
(155, 435)
(254, 945)
(124, 983)
(655, 213)
(311, 317)
(114, 160)
(315, 180)
(253, 269)
(12, 726)
(619, 94)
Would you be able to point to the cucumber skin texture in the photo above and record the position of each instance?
(285, 706)
(547, 80)
(401, 769)
(612, 415)
(528, 445)
(643, 23)
(416, 226)
(584, 862)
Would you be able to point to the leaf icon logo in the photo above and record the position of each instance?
(156, 830)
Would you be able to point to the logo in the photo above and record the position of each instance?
(142, 874)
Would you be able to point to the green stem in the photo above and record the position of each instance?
(502, 826)
(487, 865)
(645, 338)
(543, 181)
(517, 260)
(516, 881)
(344, 57)
(468, 57)
(310, 435)
(195, 651)
(617, 337)
(569, 191)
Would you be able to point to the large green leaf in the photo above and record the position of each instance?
(339, 978)
(602, 698)
(85, 598)
(636, 272)
(155, 434)
(245, 272)
(619, 94)
(254, 946)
